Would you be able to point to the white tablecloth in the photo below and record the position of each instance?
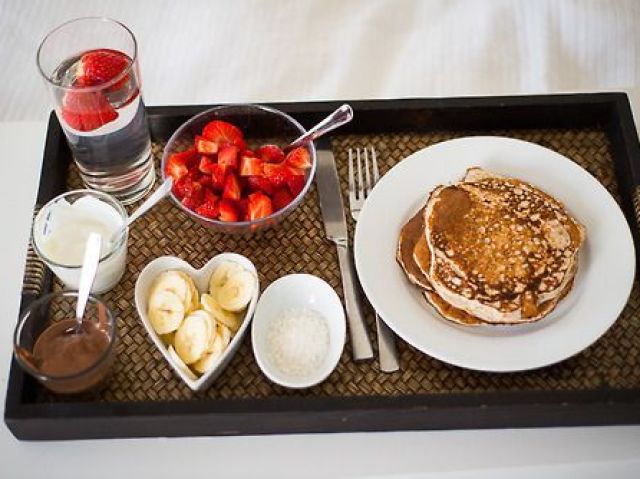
(239, 51)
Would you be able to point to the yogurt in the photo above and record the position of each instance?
(61, 230)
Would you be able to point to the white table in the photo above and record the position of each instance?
(291, 50)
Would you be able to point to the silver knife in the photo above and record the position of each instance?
(335, 225)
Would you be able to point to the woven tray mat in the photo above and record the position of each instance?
(299, 245)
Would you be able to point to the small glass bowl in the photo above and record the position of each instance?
(49, 310)
(112, 265)
(260, 124)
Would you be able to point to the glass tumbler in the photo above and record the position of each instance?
(90, 66)
(83, 361)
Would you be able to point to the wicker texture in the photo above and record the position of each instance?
(299, 245)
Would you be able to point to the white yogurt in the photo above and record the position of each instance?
(61, 232)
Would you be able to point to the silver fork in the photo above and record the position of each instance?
(357, 194)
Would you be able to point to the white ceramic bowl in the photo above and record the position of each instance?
(201, 278)
(298, 291)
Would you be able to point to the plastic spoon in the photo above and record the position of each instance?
(87, 275)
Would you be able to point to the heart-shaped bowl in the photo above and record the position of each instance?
(201, 278)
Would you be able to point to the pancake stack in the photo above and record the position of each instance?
(491, 250)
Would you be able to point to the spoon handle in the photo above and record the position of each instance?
(162, 191)
(342, 115)
(88, 272)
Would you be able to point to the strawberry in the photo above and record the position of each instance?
(281, 198)
(270, 153)
(260, 183)
(299, 158)
(210, 196)
(292, 171)
(224, 133)
(176, 167)
(181, 186)
(259, 206)
(296, 184)
(194, 195)
(206, 165)
(228, 157)
(205, 147)
(218, 174)
(209, 208)
(243, 209)
(100, 66)
(188, 157)
(227, 210)
(276, 174)
(206, 180)
(87, 111)
(232, 190)
(250, 166)
(249, 153)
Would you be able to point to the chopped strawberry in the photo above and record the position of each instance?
(188, 157)
(292, 171)
(87, 111)
(228, 157)
(260, 183)
(218, 174)
(210, 196)
(205, 147)
(259, 206)
(194, 195)
(206, 165)
(232, 189)
(206, 180)
(181, 186)
(242, 206)
(251, 166)
(296, 184)
(100, 66)
(299, 158)
(281, 198)
(176, 167)
(270, 153)
(224, 133)
(249, 153)
(209, 208)
(227, 210)
(275, 173)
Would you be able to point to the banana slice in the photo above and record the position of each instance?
(237, 291)
(195, 294)
(225, 334)
(192, 337)
(181, 365)
(178, 283)
(167, 339)
(207, 362)
(222, 274)
(213, 330)
(166, 311)
(230, 320)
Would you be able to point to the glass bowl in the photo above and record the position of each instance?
(260, 125)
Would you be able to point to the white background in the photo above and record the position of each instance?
(201, 52)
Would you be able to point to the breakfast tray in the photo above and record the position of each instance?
(144, 397)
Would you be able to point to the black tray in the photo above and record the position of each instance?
(75, 420)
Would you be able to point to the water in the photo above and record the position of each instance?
(114, 157)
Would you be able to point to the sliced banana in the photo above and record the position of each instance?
(225, 334)
(207, 362)
(192, 337)
(213, 330)
(166, 311)
(222, 274)
(236, 293)
(230, 320)
(180, 364)
(167, 339)
(178, 283)
(195, 294)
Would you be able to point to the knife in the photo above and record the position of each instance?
(335, 225)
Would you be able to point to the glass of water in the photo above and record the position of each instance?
(91, 68)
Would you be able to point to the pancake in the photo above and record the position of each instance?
(410, 234)
(500, 249)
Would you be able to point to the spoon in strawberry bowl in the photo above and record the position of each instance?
(337, 118)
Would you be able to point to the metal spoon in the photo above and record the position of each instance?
(87, 275)
(339, 117)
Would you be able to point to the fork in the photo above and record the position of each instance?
(357, 194)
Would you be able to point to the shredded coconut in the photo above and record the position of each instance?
(298, 341)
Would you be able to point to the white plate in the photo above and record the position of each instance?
(602, 285)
